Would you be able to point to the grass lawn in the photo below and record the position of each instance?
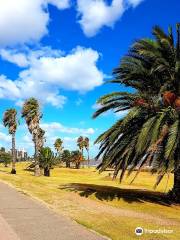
(101, 204)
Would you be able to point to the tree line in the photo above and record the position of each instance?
(43, 156)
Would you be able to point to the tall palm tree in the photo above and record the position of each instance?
(32, 115)
(80, 144)
(86, 145)
(58, 145)
(83, 142)
(150, 133)
(10, 121)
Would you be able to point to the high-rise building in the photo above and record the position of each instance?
(21, 155)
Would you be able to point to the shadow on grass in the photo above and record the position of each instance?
(29, 170)
(109, 193)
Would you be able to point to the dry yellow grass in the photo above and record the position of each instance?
(101, 204)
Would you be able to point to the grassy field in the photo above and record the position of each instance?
(99, 203)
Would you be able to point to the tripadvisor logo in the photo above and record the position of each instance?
(139, 231)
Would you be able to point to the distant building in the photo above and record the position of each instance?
(94, 163)
(21, 155)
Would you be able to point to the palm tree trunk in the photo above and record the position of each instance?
(88, 157)
(67, 163)
(37, 171)
(13, 171)
(46, 172)
(78, 165)
(175, 193)
(82, 152)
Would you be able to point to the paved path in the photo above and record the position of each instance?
(6, 232)
(22, 218)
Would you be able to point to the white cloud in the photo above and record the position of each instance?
(27, 141)
(49, 71)
(24, 57)
(56, 100)
(8, 89)
(23, 21)
(121, 114)
(60, 4)
(20, 90)
(134, 3)
(12, 56)
(96, 106)
(58, 127)
(26, 21)
(75, 71)
(5, 138)
(94, 14)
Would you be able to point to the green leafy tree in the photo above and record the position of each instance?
(6, 158)
(150, 132)
(47, 160)
(2, 149)
(32, 115)
(66, 157)
(10, 121)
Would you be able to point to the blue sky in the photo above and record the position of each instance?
(62, 52)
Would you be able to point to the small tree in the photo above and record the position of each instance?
(66, 157)
(6, 158)
(2, 149)
(77, 158)
(47, 160)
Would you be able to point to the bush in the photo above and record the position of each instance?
(47, 160)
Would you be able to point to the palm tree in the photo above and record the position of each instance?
(66, 157)
(58, 145)
(83, 143)
(86, 145)
(80, 144)
(31, 113)
(10, 121)
(150, 132)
